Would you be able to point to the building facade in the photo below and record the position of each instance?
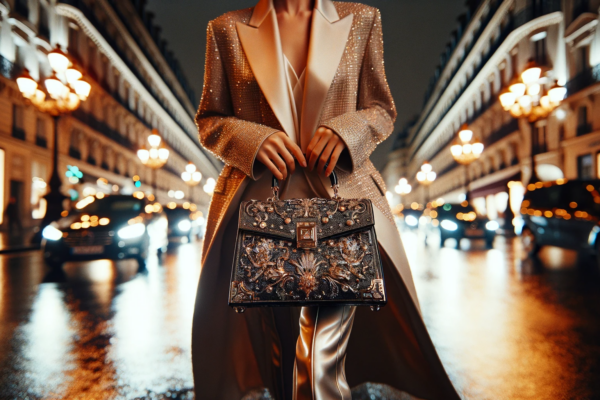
(489, 49)
(137, 86)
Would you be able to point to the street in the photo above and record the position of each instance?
(504, 329)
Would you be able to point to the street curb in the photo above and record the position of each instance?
(19, 249)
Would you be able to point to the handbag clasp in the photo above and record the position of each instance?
(306, 235)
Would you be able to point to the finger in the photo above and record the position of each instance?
(335, 156)
(287, 157)
(270, 166)
(296, 151)
(313, 157)
(278, 161)
(313, 142)
(326, 154)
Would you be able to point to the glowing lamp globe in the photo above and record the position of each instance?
(58, 60)
(143, 154)
(82, 88)
(56, 89)
(27, 86)
(532, 73)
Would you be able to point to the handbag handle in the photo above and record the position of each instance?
(332, 178)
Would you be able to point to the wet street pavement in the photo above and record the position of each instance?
(505, 329)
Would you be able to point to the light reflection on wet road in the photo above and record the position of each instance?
(99, 331)
(504, 329)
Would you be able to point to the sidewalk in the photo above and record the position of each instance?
(11, 242)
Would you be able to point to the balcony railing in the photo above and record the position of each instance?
(540, 8)
(18, 133)
(502, 132)
(41, 142)
(102, 128)
(584, 129)
(22, 8)
(583, 80)
(8, 69)
(75, 153)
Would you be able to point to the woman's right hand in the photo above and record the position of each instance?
(277, 153)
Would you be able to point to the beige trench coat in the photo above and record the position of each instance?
(244, 101)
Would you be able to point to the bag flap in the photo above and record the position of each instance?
(332, 216)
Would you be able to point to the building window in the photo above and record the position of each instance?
(74, 42)
(44, 22)
(22, 7)
(542, 145)
(74, 145)
(539, 48)
(41, 137)
(38, 190)
(582, 59)
(584, 167)
(579, 7)
(18, 130)
(583, 126)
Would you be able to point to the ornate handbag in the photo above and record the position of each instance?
(303, 252)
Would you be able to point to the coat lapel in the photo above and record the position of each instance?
(328, 38)
(262, 46)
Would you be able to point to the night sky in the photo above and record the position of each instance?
(415, 34)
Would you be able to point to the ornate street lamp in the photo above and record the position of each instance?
(155, 157)
(426, 176)
(192, 177)
(60, 94)
(403, 187)
(532, 96)
(465, 150)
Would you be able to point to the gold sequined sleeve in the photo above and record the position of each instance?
(231, 139)
(373, 121)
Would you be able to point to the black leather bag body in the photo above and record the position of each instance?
(303, 252)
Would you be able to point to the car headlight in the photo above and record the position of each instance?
(51, 233)
(184, 225)
(492, 226)
(448, 225)
(132, 231)
(411, 220)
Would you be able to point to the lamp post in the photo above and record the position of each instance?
(426, 176)
(532, 96)
(192, 177)
(155, 157)
(60, 94)
(465, 150)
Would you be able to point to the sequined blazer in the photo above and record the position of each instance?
(244, 98)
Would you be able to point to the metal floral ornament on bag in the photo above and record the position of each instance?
(302, 252)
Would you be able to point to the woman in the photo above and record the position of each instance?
(297, 89)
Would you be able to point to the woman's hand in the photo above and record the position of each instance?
(277, 153)
(325, 147)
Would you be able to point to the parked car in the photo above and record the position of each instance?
(564, 214)
(184, 225)
(110, 227)
(461, 221)
(411, 218)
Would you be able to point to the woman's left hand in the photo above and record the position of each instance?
(325, 147)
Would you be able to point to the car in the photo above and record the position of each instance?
(184, 224)
(111, 227)
(562, 213)
(461, 221)
(411, 218)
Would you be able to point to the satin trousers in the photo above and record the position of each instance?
(319, 371)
